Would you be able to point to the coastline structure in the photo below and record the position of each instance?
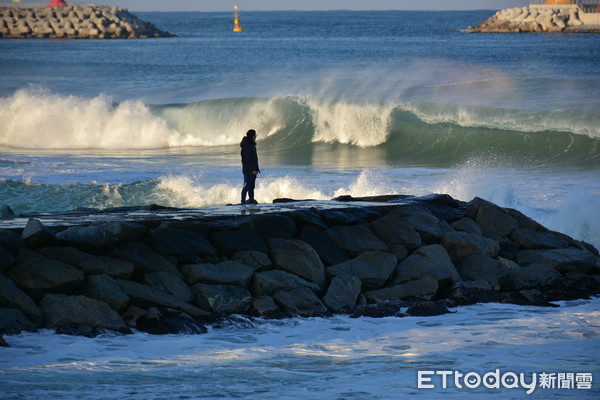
(575, 16)
(161, 270)
(62, 21)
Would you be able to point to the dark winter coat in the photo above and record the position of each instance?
(249, 156)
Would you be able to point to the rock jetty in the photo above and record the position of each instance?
(381, 256)
(537, 19)
(75, 22)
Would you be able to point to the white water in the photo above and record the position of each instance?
(317, 358)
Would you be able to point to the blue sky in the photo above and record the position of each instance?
(259, 5)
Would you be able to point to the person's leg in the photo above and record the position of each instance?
(247, 179)
(251, 185)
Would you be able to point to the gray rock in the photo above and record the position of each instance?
(6, 260)
(343, 217)
(399, 251)
(495, 221)
(175, 242)
(342, 294)
(308, 218)
(145, 296)
(14, 321)
(373, 268)
(13, 297)
(301, 301)
(534, 276)
(144, 258)
(471, 292)
(264, 306)
(230, 242)
(125, 232)
(427, 225)
(268, 225)
(530, 239)
(480, 267)
(423, 288)
(87, 263)
(6, 211)
(11, 241)
(91, 238)
(256, 260)
(328, 251)
(355, 239)
(270, 282)
(3, 342)
(428, 261)
(563, 260)
(118, 269)
(524, 221)
(462, 244)
(61, 310)
(393, 231)
(36, 234)
(467, 224)
(105, 289)
(224, 273)
(170, 284)
(37, 275)
(222, 299)
(425, 308)
(297, 257)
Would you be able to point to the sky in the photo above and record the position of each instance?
(263, 5)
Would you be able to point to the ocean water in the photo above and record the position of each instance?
(359, 103)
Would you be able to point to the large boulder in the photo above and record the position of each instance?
(328, 251)
(462, 244)
(170, 284)
(105, 289)
(231, 241)
(175, 242)
(6, 260)
(11, 241)
(36, 234)
(13, 297)
(37, 275)
(534, 276)
(373, 268)
(428, 226)
(125, 232)
(61, 310)
(256, 260)
(308, 218)
(423, 288)
(392, 230)
(145, 296)
(222, 299)
(428, 261)
(563, 260)
(299, 258)
(274, 225)
(87, 263)
(301, 301)
(223, 273)
(144, 258)
(355, 239)
(13, 321)
(91, 238)
(269, 282)
(495, 221)
(342, 294)
(531, 239)
(264, 306)
(481, 267)
(467, 224)
(118, 269)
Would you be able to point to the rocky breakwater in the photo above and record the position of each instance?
(535, 19)
(75, 22)
(408, 256)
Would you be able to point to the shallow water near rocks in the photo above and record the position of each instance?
(314, 358)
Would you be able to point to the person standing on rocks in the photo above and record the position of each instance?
(249, 166)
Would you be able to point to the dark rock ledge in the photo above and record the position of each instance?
(175, 271)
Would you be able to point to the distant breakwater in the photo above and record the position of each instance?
(75, 22)
(379, 256)
(539, 19)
